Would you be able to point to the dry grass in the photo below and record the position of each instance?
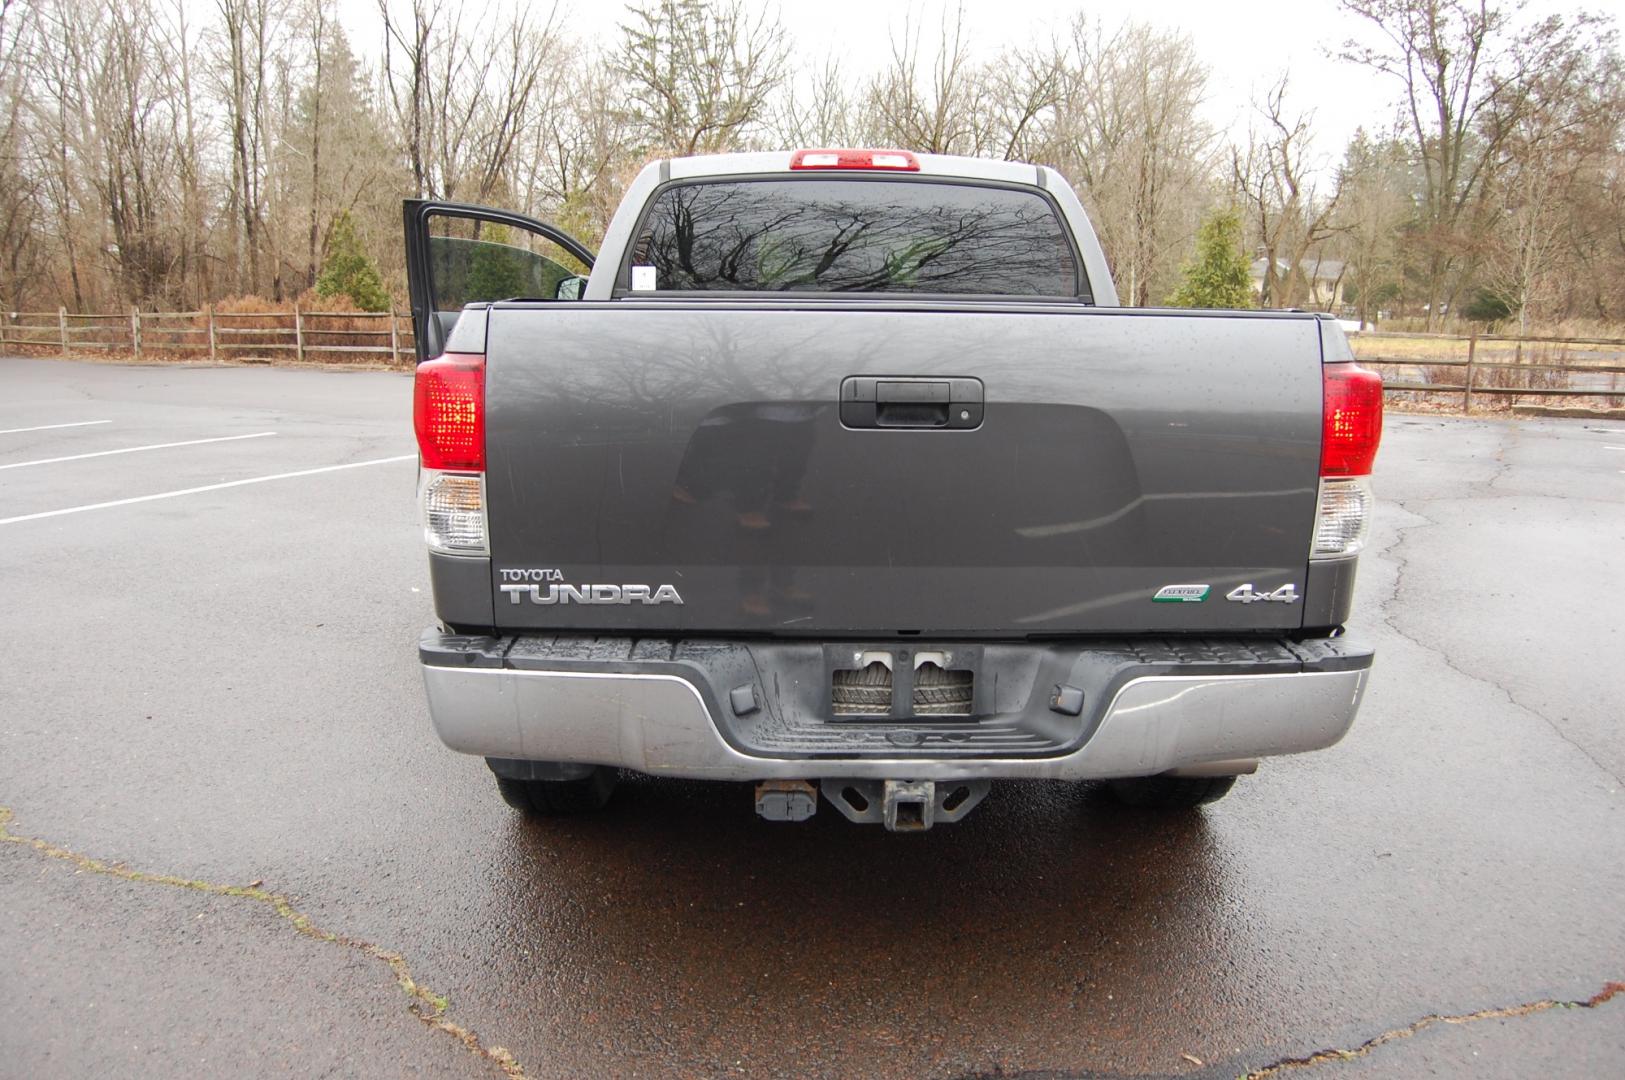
(331, 328)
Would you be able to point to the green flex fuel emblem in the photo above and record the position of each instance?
(1180, 594)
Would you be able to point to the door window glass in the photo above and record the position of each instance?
(473, 261)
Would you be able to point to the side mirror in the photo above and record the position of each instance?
(570, 288)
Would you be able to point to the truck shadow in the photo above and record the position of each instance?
(1050, 929)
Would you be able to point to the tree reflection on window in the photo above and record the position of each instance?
(857, 236)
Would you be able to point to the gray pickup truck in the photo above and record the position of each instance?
(842, 472)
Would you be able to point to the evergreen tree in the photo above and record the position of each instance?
(348, 270)
(1217, 276)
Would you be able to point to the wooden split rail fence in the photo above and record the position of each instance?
(331, 336)
(1496, 366)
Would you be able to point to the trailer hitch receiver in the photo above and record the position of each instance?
(909, 805)
(903, 805)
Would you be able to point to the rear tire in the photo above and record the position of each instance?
(1170, 792)
(559, 798)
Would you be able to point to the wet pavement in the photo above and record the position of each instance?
(210, 699)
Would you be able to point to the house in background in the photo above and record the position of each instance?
(1321, 288)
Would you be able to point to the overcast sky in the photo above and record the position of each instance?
(1246, 45)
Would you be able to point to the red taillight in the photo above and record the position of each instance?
(1350, 419)
(448, 411)
(896, 160)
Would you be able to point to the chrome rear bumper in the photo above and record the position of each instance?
(659, 722)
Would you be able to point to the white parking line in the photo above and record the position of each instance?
(1614, 448)
(206, 487)
(135, 449)
(52, 427)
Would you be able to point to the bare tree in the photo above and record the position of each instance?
(317, 24)
(935, 106)
(130, 100)
(1592, 277)
(1375, 203)
(1570, 125)
(1275, 178)
(251, 33)
(65, 144)
(513, 89)
(698, 74)
(579, 158)
(179, 44)
(20, 185)
(1465, 74)
(1129, 136)
(818, 109)
(465, 108)
(97, 118)
(1024, 90)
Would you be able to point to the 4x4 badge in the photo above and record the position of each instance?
(1181, 594)
(1246, 594)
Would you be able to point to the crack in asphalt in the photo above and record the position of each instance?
(1321, 1057)
(1608, 991)
(423, 1003)
(1390, 618)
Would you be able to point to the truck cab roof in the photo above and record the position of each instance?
(776, 161)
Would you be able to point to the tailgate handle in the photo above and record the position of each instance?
(876, 401)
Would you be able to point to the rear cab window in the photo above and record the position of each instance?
(846, 235)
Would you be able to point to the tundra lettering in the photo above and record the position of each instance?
(592, 594)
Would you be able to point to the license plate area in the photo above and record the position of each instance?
(918, 683)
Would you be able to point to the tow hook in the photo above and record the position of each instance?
(904, 805)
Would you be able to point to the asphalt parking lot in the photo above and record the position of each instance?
(234, 844)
